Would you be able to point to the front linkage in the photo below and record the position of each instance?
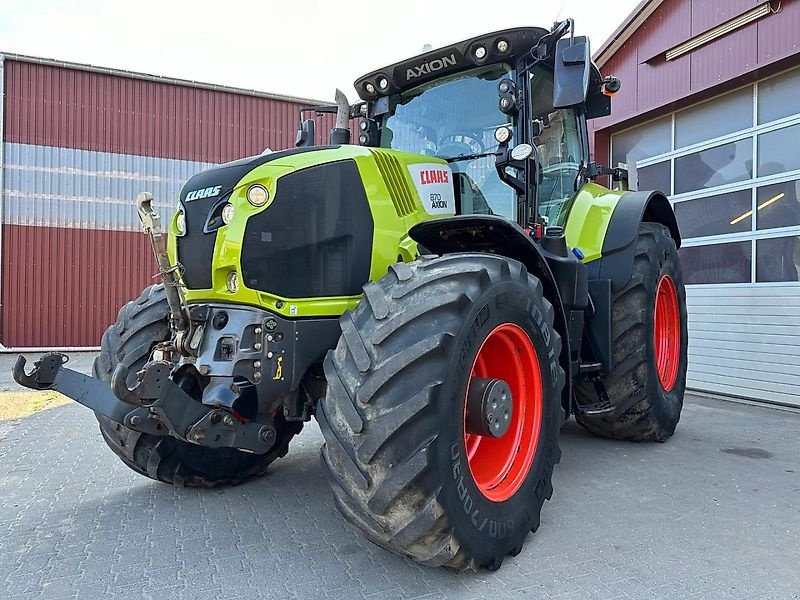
(156, 404)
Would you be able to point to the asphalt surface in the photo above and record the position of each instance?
(714, 513)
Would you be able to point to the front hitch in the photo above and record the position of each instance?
(154, 405)
(44, 371)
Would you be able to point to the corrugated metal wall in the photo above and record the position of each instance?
(78, 146)
(651, 83)
(743, 338)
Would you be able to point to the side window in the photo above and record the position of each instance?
(559, 147)
(561, 155)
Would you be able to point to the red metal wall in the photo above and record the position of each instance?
(63, 286)
(53, 106)
(651, 84)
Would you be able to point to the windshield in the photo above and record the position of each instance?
(455, 119)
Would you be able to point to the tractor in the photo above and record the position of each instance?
(441, 296)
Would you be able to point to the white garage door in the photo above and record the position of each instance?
(732, 168)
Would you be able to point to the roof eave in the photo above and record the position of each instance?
(623, 33)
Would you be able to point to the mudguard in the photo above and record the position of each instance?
(497, 235)
(619, 244)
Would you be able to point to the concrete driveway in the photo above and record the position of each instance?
(714, 513)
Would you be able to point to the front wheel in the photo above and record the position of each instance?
(442, 415)
(141, 324)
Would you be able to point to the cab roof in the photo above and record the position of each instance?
(487, 49)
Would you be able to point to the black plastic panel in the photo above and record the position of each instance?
(196, 248)
(315, 239)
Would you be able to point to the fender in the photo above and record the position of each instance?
(497, 235)
(619, 245)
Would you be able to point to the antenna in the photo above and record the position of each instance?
(560, 10)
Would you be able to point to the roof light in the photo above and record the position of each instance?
(383, 83)
(502, 46)
(480, 52)
(370, 88)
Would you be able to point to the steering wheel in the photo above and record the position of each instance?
(460, 143)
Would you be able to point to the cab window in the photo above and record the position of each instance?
(559, 147)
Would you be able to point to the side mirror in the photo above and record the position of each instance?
(306, 134)
(573, 63)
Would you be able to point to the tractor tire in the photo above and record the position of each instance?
(396, 442)
(647, 384)
(141, 324)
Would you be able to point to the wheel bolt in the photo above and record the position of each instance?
(135, 420)
(228, 421)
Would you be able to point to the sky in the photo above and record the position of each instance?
(303, 48)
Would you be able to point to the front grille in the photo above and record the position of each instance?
(315, 239)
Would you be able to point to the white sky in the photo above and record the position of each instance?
(303, 47)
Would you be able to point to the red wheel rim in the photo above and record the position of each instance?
(499, 466)
(667, 332)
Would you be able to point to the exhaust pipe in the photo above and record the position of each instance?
(340, 134)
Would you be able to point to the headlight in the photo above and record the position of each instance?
(257, 195)
(180, 222)
(227, 213)
(232, 282)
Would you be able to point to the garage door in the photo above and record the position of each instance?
(732, 168)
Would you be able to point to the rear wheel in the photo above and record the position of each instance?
(141, 324)
(443, 409)
(649, 332)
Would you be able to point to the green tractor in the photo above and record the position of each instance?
(442, 297)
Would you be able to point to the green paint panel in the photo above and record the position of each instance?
(586, 217)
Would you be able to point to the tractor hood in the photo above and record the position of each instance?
(219, 181)
(328, 219)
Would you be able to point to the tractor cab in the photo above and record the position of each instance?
(474, 102)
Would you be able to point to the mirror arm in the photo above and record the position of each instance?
(503, 161)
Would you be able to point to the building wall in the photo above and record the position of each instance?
(716, 130)
(78, 147)
(651, 83)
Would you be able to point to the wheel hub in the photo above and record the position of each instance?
(489, 407)
(501, 457)
(667, 332)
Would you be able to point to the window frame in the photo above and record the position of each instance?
(752, 184)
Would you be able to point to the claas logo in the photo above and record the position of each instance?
(434, 176)
(208, 192)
